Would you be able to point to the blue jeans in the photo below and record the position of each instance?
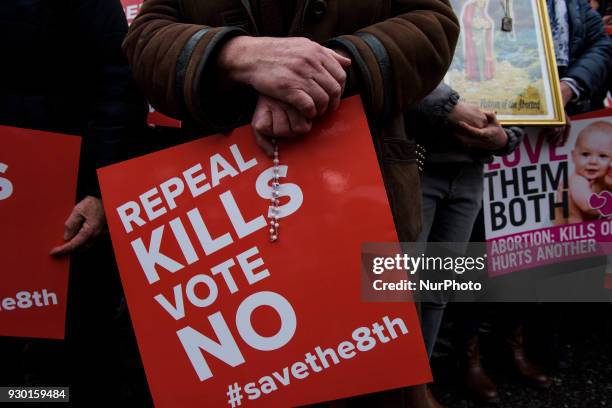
(452, 198)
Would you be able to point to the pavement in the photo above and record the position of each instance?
(586, 332)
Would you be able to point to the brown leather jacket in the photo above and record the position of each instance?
(400, 49)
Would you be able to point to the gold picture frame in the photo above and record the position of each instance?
(513, 73)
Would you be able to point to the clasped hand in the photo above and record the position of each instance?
(297, 79)
(477, 129)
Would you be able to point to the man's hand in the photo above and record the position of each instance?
(470, 114)
(85, 223)
(492, 137)
(294, 70)
(566, 93)
(273, 118)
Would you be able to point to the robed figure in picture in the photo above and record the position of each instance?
(477, 40)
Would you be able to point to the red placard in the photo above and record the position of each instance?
(38, 173)
(156, 118)
(131, 8)
(223, 316)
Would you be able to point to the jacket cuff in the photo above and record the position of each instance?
(372, 66)
(575, 87)
(583, 79)
(358, 78)
(447, 107)
(195, 80)
(437, 106)
(515, 137)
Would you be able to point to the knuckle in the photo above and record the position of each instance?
(256, 123)
(306, 106)
(306, 57)
(337, 91)
(295, 101)
(324, 99)
(314, 55)
(260, 126)
(298, 63)
(309, 44)
(302, 102)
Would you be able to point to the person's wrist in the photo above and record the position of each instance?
(502, 138)
(233, 59)
(566, 93)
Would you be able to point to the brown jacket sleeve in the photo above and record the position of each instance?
(168, 57)
(402, 59)
(397, 61)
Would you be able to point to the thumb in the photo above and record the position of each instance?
(491, 118)
(467, 127)
(264, 144)
(472, 131)
(73, 224)
(262, 118)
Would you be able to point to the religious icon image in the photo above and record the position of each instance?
(478, 41)
(504, 61)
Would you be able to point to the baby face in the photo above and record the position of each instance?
(592, 154)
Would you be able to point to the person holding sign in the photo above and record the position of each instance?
(218, 65)
(282, 65)
(87, 91)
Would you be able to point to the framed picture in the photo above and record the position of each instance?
(510, 71)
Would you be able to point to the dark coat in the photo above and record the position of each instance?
(63, 71)
(590, 53)
(400, 49)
